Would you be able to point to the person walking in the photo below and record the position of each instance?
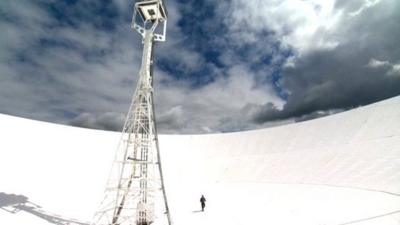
(203, 202)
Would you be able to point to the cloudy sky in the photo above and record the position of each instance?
(226, 66)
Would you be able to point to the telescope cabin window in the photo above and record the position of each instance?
(151, 12)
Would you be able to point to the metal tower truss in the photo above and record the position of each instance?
(135, 192)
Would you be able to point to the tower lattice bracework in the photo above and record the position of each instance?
(135, 192)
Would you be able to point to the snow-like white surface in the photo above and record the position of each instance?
(337, 170)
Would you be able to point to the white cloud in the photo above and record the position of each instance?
(303, 25)
(214, 107)
(396, 67)
(395, 70)
(392, 69)
(367, 4)
(374, 63)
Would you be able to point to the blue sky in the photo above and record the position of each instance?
(226, 65)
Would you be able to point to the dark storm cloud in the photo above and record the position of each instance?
(107, 121)
(326, 80)
(340, 78)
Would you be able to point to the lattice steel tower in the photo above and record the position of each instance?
(135, 192)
